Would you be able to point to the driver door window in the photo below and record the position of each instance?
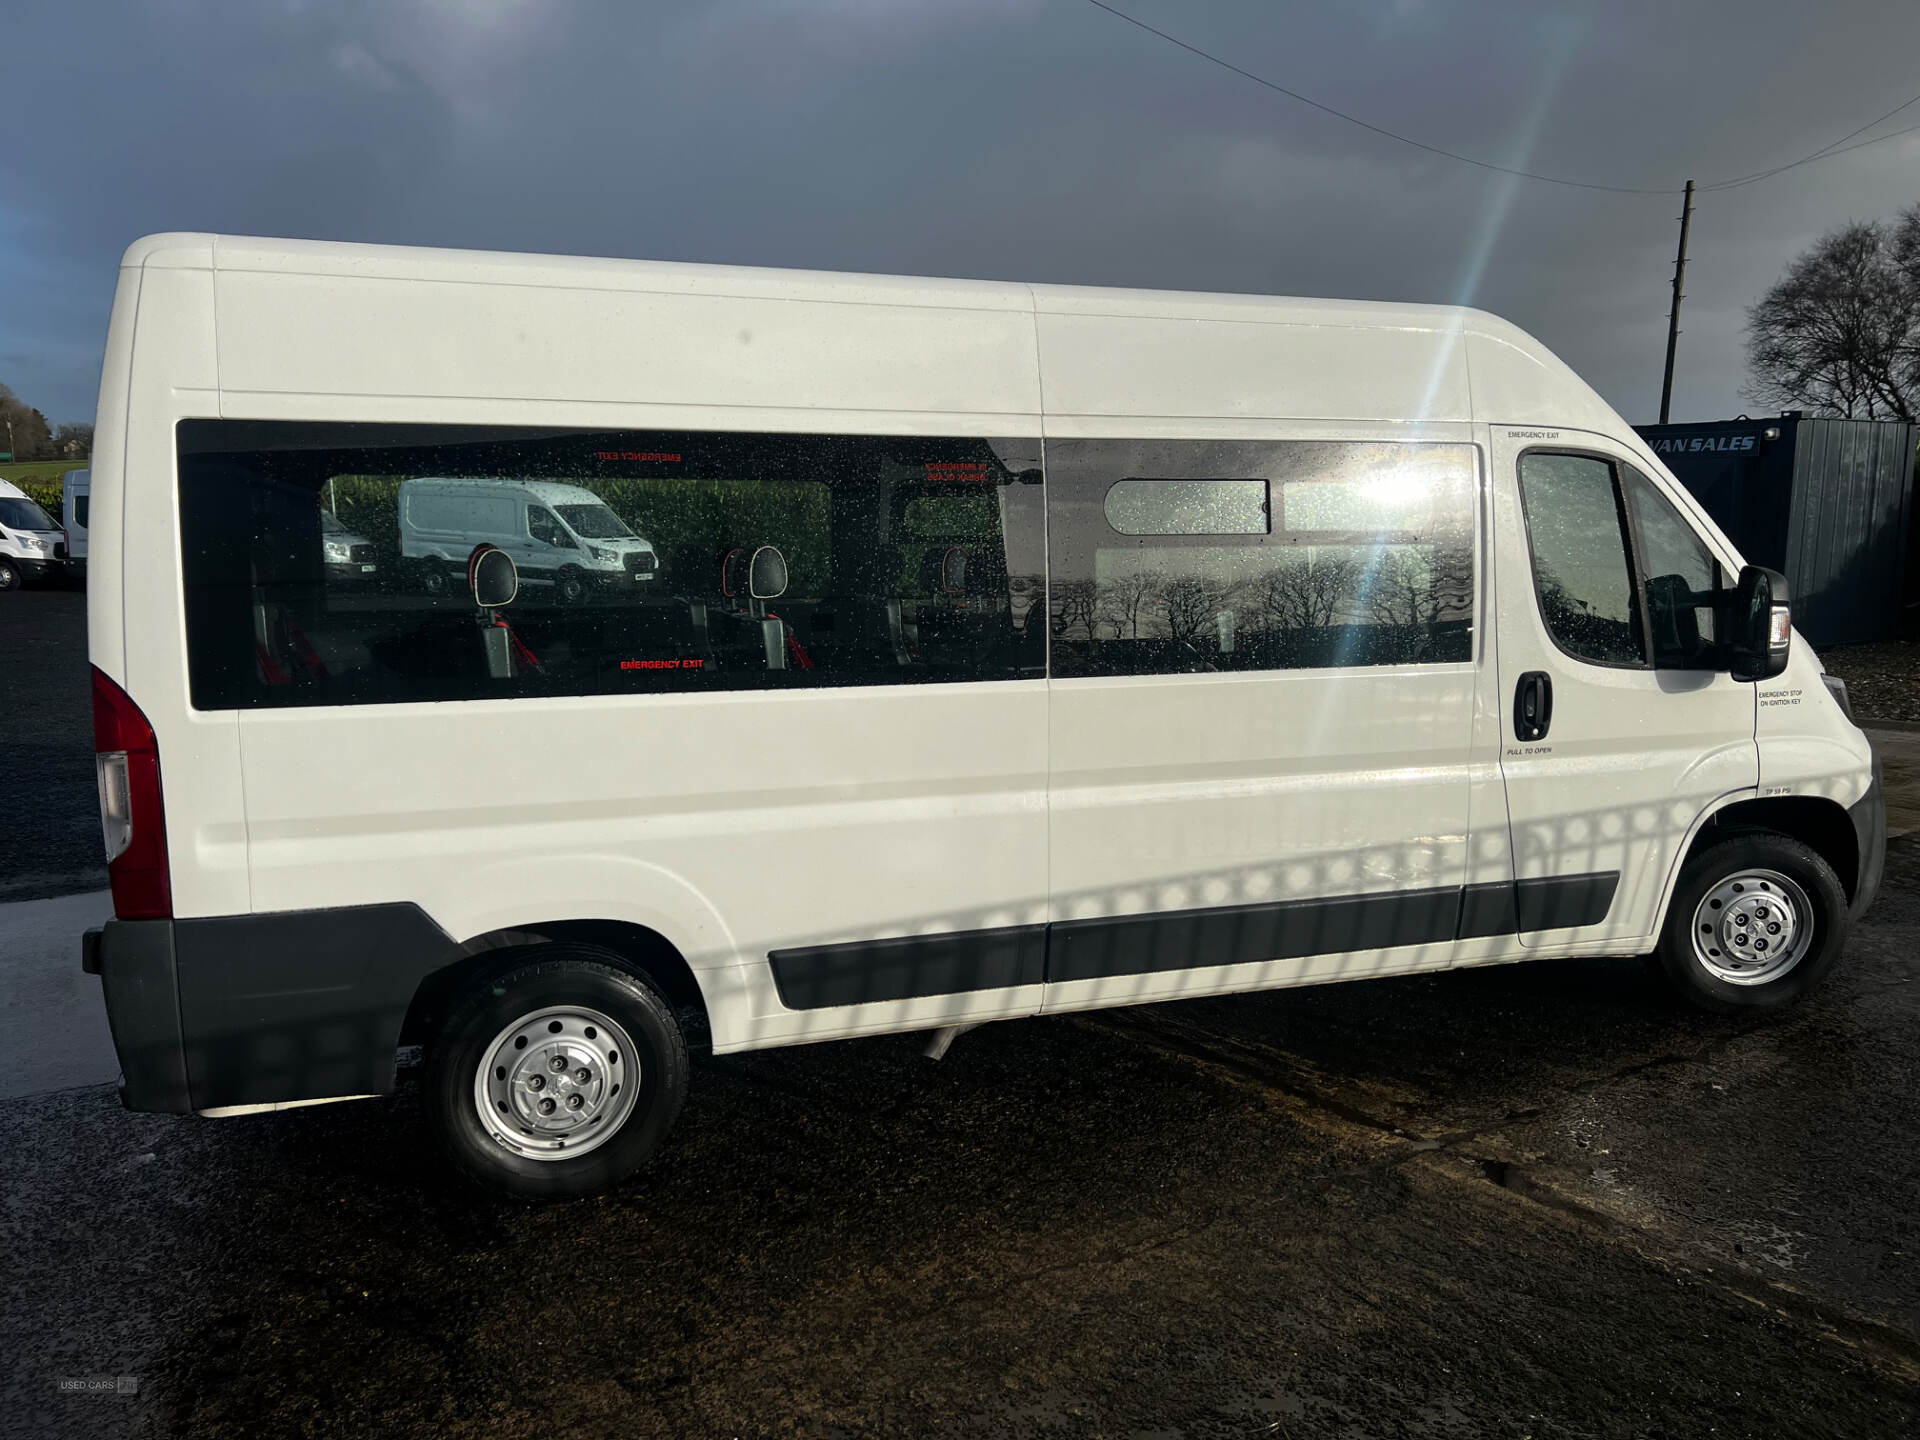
(542, 526)
(1683, 585)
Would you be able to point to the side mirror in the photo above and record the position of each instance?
(953, 571)
(492, 576)
(767, 574)
(1759, 625)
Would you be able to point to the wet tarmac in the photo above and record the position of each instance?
(1532, 1201)
(50, 820)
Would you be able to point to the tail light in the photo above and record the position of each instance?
(127, 763)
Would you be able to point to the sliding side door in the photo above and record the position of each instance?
(1263, 669)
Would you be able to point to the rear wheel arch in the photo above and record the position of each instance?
(643, 951)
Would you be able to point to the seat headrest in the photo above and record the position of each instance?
(946, 572)
(492, 576)
(767, 574)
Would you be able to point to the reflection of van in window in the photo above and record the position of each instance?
(349, 558)
(561, 535)
(1018, 650)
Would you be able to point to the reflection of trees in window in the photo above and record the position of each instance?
(1129, 601)
(1415, 588)
(1188, 605)
(1305, 592)
(1076, 606)
(1610, 639)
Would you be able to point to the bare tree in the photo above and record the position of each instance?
(1132, 599)
(1839, 333)
(73, 442)
(1416, 587)
(1189, 604)
(1399, 589)
(1306, 592)
(1076, 603)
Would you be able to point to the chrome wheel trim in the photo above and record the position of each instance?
(1752, 927)
(557, 1082)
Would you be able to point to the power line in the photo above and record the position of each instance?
(1839, 147)
(1825, 152)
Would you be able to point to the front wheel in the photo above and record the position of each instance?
(557, 1077)
(10, 576)
(570, 585)
(1756, 922)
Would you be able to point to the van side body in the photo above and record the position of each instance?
(889, 796)
(75, 499)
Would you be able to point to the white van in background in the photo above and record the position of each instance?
(1029, 649)
(32, 545)
(559, 535)
(75, 491)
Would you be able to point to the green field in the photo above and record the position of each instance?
(40, 479)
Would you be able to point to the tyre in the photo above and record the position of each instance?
(557, 1074)
(1756, 921)
(570, 585)
(434, 579)
(10, 576)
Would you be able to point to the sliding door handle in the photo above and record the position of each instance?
(1533, 705)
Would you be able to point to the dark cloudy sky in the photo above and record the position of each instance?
(1014, 139)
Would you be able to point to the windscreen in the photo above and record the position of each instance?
(21, 514)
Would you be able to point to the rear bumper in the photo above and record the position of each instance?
(1869, 816)
(258, 1009)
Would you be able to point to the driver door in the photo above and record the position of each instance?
(1620, 727)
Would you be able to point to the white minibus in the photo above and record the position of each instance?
(1017, 649)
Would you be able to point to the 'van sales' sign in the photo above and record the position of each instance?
(1700, 444)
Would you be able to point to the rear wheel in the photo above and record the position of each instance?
(1756, 922)
(557, 1076)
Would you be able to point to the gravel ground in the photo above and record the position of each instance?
(1883, 680)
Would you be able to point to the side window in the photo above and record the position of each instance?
(1582, 567)
(694, 561)
(543, 527)
(1178, 556)
(1683, 582)
(80, 510)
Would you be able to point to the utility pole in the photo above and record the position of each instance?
(1673, 316)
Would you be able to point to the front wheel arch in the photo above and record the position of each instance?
(1822, 825)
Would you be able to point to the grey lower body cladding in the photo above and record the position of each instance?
(308, 1004)
(820, 976)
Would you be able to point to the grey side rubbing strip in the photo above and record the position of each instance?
(1565, 902)
(1235, 934)
(1487, 910)
(863, 972)
(817, 976)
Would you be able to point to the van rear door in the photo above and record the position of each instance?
(1617, 732)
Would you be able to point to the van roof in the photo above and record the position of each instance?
(551, 492)
(323, 319)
